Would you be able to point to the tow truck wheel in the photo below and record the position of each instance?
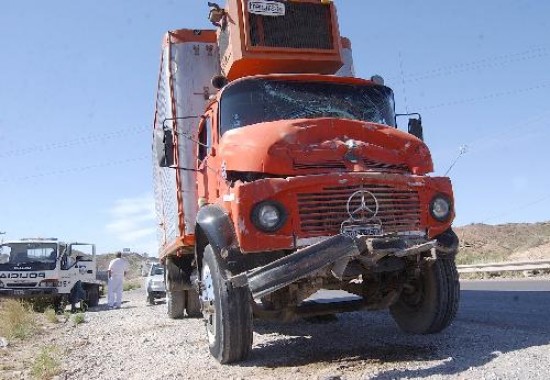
(227, 312)
(192, 304)
(92, 295)
(428, 304)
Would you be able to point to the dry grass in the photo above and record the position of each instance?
(78, 318)
(17, 320)
(51, 315)
(46, 364)
(132, 284)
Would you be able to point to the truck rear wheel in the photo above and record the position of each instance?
(175, 302)
(192, 304)
(175, 292)
(429, 303)
(227, 312)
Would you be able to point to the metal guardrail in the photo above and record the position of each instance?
(504, 267)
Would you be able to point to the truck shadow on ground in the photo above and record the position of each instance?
(489, 324)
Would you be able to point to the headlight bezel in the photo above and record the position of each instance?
(449, 205)
(255, 216)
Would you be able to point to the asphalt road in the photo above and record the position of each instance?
(532, 285)
(521, 304)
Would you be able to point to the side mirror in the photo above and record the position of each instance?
(415, 128)
(164, 148)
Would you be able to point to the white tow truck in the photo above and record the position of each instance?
(49, 269)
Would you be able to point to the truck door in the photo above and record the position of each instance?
(78, 263)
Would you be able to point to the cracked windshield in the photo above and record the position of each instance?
(257, 100)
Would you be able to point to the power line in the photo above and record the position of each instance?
(519, 207)
(494, 95)
(85, 140)
(76, 169)
(533, 53)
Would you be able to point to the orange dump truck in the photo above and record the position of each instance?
(278, 174)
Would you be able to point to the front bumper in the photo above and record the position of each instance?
(28, 292)
(336, 253)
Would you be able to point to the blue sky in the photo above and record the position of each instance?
(77, 90)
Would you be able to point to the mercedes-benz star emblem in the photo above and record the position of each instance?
(362, 205)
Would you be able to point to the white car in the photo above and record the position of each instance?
(154, 284)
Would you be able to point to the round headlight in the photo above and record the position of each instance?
(440, 208)
(268, 216)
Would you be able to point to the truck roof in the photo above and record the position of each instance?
(306, 77)
(43, 240)
(311, 77)
(34, 240)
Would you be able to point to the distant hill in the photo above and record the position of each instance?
(483, 243)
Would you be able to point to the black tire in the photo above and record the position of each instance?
(150, 299)
(430, 303)
(192, 304)
(175, 302)
(227, 312)
(175, 294)
(92, 295)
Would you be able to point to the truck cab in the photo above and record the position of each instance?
(279, 173)
(48, 268)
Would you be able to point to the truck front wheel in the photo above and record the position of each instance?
(92, 295)
(227, 312)
(428, 303)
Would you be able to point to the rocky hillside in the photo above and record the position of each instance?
(505, 242)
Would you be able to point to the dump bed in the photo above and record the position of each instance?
(189, 60)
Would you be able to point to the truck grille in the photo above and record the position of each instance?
(304, 26)
(340, 165)
(320, 165)
(322, 213)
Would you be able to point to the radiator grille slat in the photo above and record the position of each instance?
(339, 165)
(322, 212)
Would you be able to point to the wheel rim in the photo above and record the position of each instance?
(413, 294)
(208, 302)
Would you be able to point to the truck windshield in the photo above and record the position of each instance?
(28, 256)
(261, 100)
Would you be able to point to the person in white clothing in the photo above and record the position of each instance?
(116, 272)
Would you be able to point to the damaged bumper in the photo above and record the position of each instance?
(336, 253)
